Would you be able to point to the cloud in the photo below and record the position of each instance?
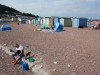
(87, 8)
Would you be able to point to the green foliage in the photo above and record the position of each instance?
(29, 15)
(11, 11)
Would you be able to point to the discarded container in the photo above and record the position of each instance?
(31, 59)
(24, 65)
(55, 62)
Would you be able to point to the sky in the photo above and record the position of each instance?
(61, 8)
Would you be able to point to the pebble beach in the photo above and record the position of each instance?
(73, 51)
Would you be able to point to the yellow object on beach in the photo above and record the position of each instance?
(13, 22)
(39, 29)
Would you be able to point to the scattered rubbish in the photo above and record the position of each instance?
(31, 59)
(38, 29)
(55, 62)
(69, 65)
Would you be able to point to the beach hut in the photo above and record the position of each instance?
(36, 21)
(51, 22)
(44, 20)
(41, 21)
(24, 21)
(47, 20)
(79, 22)
(28, 22)
(12, 18)
(19, 19)
(5, 27)
(32, 21)
(67, 22)
(56, 19)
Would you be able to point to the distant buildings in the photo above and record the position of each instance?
(8, 18)
(66, 21)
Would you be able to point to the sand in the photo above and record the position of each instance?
(71, 52)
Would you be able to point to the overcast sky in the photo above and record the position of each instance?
(64, 8)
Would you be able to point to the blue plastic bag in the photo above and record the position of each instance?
(24, 65)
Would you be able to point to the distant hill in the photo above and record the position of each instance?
(13, 12)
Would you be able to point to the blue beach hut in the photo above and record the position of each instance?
(24, 21)
(36, 21)
(44, 20)
(79, 22)
(56, 19)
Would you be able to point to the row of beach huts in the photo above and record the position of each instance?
(57, 23)
(66, 22)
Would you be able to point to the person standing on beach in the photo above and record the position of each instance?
(18, 23)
